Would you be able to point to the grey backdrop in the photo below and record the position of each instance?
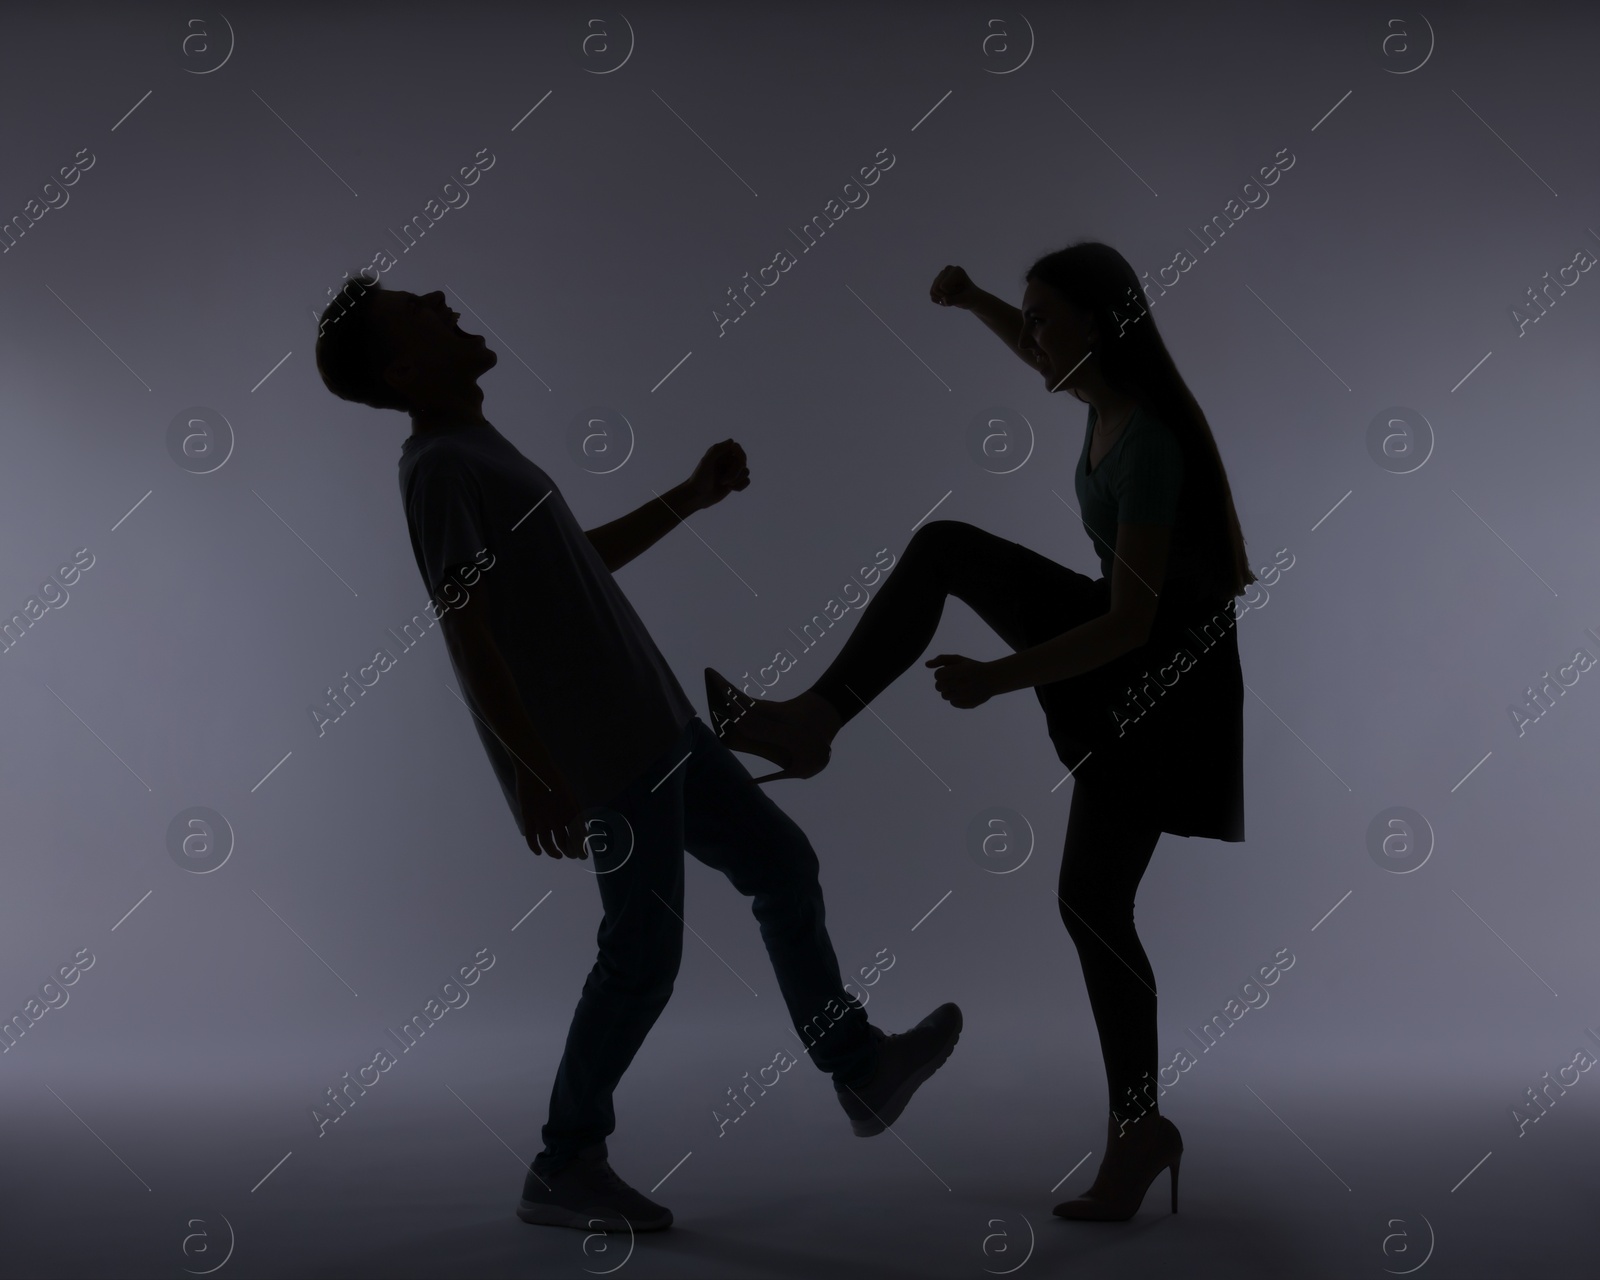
(160, 1121)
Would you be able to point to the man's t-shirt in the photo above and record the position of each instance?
(1141, 481)
(596, 689)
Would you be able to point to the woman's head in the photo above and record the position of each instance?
(1088, 321)
(1074, 299)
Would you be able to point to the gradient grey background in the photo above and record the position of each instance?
(1332, 1132)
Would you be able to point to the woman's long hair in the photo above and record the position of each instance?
(1135, 361)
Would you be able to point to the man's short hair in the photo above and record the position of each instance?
(351, 350)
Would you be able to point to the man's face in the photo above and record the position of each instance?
(430, 353)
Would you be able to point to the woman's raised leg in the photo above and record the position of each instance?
(1025, 597)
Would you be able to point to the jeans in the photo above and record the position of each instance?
(696, 796)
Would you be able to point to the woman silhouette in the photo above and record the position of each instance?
(1137, 671)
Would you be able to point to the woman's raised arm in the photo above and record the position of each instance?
(954, 288)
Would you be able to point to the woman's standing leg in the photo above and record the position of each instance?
(1110, 839)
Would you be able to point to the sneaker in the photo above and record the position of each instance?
(904, 1062)
(587, 1194)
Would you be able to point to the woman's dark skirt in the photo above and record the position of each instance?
(1170, 712)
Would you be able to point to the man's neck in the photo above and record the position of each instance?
(438, 418)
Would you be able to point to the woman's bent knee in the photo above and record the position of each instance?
(942, 535)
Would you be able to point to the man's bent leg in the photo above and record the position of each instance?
(640, 875)
(731, 824)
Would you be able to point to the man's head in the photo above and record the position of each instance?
(397, 350)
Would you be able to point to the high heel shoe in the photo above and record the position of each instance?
(733, 712)
(1126, 1173)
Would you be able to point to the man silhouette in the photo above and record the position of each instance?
(580, 714)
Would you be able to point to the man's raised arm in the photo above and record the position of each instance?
(721, 471)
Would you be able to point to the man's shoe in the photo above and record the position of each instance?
(904, 1062)
(588, 1194)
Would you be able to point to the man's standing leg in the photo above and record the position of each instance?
(731, 824)
(639, 869)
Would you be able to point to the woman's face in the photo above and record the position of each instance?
(1056, 335)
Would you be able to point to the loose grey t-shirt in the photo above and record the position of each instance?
(1141, 481)
(596, 689)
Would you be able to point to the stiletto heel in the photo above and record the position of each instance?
(1124, 1178)
(730, 706)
